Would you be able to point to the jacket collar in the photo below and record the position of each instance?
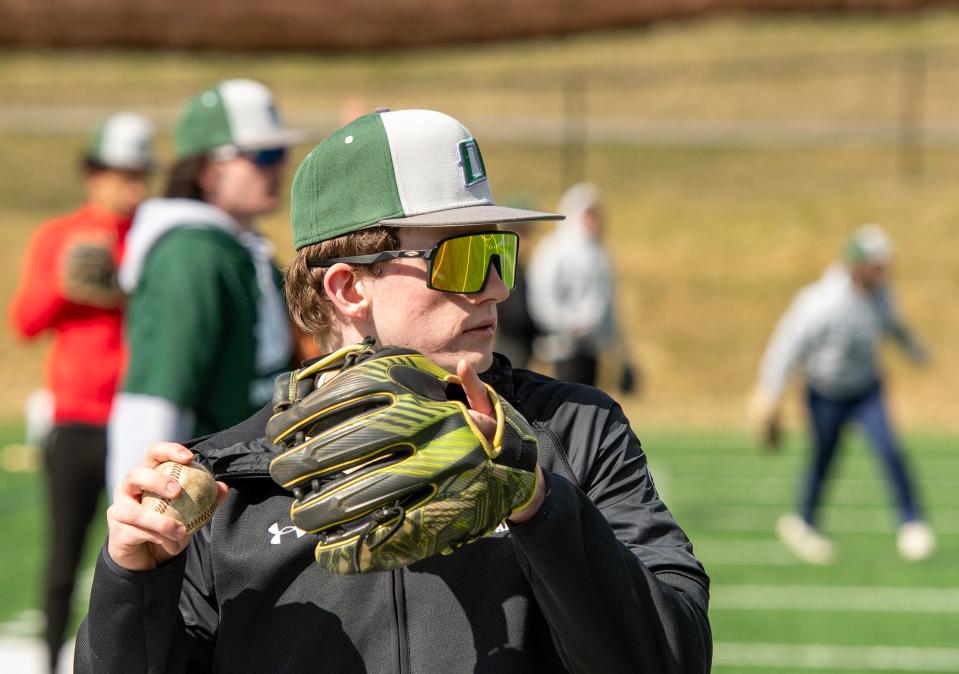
(500, 375)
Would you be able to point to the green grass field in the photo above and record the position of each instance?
(869, 612)
(770, 613)
(22, 552)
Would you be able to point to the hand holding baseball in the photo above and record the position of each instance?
(140, 537)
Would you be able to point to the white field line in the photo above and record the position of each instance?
(818, 657)
(21, 655)
(834, 599)
(30, 623)
(27, 623)
(840, 495)
(742, 552)
(737, 464)
(856, 446)
(782, 492)
(793, 478)
(874, 489)
(835, 519)
(785, 500)
(22, 649)
(858, 452)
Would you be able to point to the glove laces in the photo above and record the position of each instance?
(380, 516)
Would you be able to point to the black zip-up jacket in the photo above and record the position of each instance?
(601, 579)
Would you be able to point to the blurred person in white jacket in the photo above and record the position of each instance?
(571, 293)
(831, 332)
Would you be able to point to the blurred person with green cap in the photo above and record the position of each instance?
(207, 325)
(402, 257)
(68, 287)
(832, 332)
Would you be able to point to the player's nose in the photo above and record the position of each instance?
(495, 289)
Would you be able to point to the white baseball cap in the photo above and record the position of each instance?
(240, 113)
(123, 141)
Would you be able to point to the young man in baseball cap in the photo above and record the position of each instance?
(399, 246)
(832, 331)
(68, 287)
(206, 324)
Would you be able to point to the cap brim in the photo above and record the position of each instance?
(284, 138)
(470, 215)
(135, 167)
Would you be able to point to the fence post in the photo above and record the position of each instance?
(912, 89)
(573, 162)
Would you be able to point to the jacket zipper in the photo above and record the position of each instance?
(229, 476)
(395, 595)
(399, 636)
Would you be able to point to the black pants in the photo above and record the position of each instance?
(579, 369)
(75, 468)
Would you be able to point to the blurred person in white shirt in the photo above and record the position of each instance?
(831, 332)
(571, 293)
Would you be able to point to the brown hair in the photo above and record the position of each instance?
(90, 166)
(183, 180)
(309, 305)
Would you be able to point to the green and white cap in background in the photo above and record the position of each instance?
(869, 244)
(240, 113)
(408, 168)
(123, 141)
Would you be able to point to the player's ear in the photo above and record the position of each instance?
(348, 290)
(208, 178)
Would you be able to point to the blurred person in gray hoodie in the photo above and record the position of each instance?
(831, 332)
(571, 293)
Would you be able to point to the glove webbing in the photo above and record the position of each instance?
(299, 384)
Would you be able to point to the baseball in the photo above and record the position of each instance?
(195, 503)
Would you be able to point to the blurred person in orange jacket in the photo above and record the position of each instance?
(68, 286)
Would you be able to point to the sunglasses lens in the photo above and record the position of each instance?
(267, 158)
(461, 264)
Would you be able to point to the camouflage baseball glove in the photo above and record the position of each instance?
(386, 465)
(88, 275)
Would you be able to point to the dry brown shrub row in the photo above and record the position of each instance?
(356, 24)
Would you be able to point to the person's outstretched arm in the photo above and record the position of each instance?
(786, 346)
(896, 327)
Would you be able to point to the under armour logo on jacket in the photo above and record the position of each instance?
(278, 533)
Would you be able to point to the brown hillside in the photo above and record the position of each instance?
(355, 24)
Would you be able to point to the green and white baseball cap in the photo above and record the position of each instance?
(869, 244)
(123, 141)
(240, 113)
(408, 168)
